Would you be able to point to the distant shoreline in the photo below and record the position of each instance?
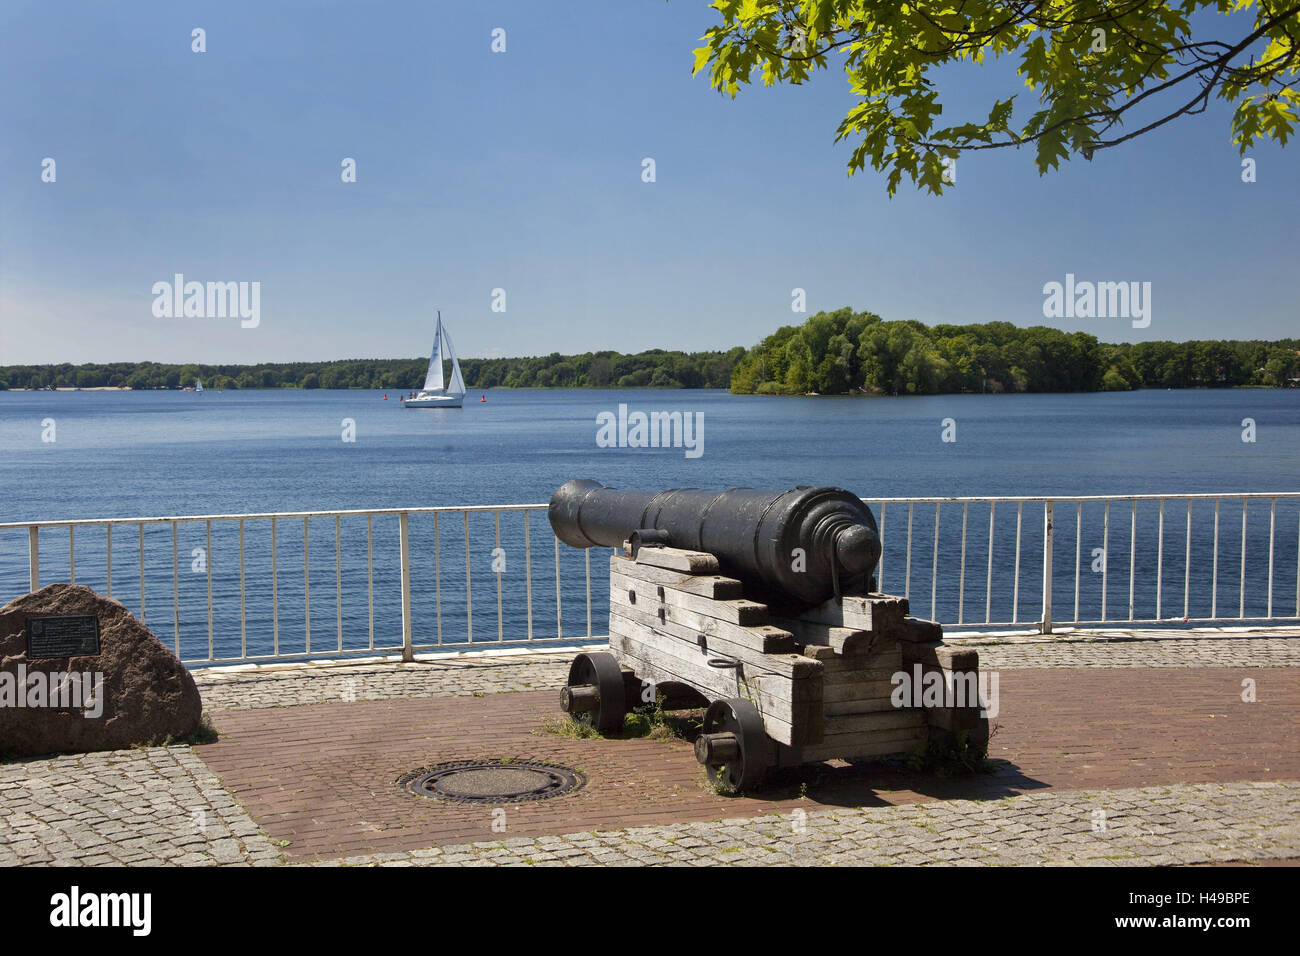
(841, 353)
(654, 388)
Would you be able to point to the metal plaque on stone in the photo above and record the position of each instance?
(74, 635)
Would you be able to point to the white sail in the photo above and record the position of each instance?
(433, 378)
(457, 386)
(198, 385)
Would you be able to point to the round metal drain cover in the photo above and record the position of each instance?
(492, 781)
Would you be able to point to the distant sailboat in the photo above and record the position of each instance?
(437, 394)
(198, 384)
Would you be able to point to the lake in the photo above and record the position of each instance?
(127, 454)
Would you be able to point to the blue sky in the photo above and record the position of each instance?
(522, 170)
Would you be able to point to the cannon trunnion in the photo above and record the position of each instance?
(792, 666)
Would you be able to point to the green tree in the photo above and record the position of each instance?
(638, 379)
(1282, 365)
(881, 350)
(599, 372)
(1102, 73)
(1113, 381)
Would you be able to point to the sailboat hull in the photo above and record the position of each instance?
(424, 400)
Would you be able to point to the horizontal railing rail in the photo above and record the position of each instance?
(402, 580)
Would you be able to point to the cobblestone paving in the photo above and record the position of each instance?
(1162, 652)
(1151, 826)
(247, 688)
(161, 805)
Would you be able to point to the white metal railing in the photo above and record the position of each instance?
(352, 564)
(220, 597)
(1147, 600)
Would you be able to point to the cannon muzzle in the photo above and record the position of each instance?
(807, 543)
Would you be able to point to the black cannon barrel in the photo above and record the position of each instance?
(807, 543)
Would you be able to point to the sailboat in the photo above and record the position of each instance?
(435, 393)
(198, 384)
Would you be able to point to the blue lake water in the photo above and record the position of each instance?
(128, 454)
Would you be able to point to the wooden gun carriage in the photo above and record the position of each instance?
(785, 678)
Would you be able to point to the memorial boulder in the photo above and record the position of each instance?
(79, 672)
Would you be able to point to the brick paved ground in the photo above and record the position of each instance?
(322, 776)
(1076, 737)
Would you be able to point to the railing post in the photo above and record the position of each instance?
(1045, 625)
(408, 652)
(34, 558)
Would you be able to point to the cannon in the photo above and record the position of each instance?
(806, 543)
(759, 607)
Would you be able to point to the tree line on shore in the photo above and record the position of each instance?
(655, 368)
(847, 352)
(832, 353)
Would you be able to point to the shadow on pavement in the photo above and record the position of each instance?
(838, 784)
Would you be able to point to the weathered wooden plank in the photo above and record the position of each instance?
(682, 642)
(853, 747)
(847, 670)
(688, 662)
(843, 640)
(752, 653)
(678, 559)
(759, 637)
(737, 611)
(872, 723)
(919, 631)
(706, 585)
(853, 680)
(798, 701)
(942, 655)
(770, 649)
(763, 638)
(653, 664)
(916, 730)
(864, 690)
(880, 614)
(856, 705)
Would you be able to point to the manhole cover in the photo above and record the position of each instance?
(492, 781)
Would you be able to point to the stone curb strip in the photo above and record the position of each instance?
(249, 688)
